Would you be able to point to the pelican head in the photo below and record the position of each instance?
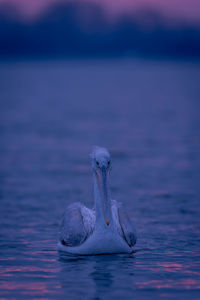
(101, 164)
(100, 159)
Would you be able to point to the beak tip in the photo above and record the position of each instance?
(107, 222)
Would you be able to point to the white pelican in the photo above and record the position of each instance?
(104, 229)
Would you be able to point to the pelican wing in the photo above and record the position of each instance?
(123, 223)
(77, 224)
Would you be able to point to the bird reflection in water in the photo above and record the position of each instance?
(94, 276)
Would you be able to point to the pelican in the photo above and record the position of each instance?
(102, 230)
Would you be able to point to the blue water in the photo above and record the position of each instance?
(148, 114)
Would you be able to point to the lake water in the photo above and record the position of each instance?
(148, 114)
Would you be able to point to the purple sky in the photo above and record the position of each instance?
(184, 10)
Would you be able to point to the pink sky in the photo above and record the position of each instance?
(186, 10)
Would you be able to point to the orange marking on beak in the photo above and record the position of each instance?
(107, 222)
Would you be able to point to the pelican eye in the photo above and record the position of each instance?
(97, 163)
(108, 162)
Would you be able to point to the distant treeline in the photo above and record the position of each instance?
(83, 30)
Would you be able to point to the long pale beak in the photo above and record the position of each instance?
(102, 180)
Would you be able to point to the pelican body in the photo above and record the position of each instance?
(102, 230)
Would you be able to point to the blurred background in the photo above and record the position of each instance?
(93, 28)
(120, 74)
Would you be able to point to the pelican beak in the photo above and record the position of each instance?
(98, 178)
(102, 184)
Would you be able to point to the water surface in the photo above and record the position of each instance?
(147, 114)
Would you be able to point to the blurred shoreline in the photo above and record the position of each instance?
(84, 30)
(106, 59)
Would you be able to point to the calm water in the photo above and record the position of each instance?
(148, 115)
